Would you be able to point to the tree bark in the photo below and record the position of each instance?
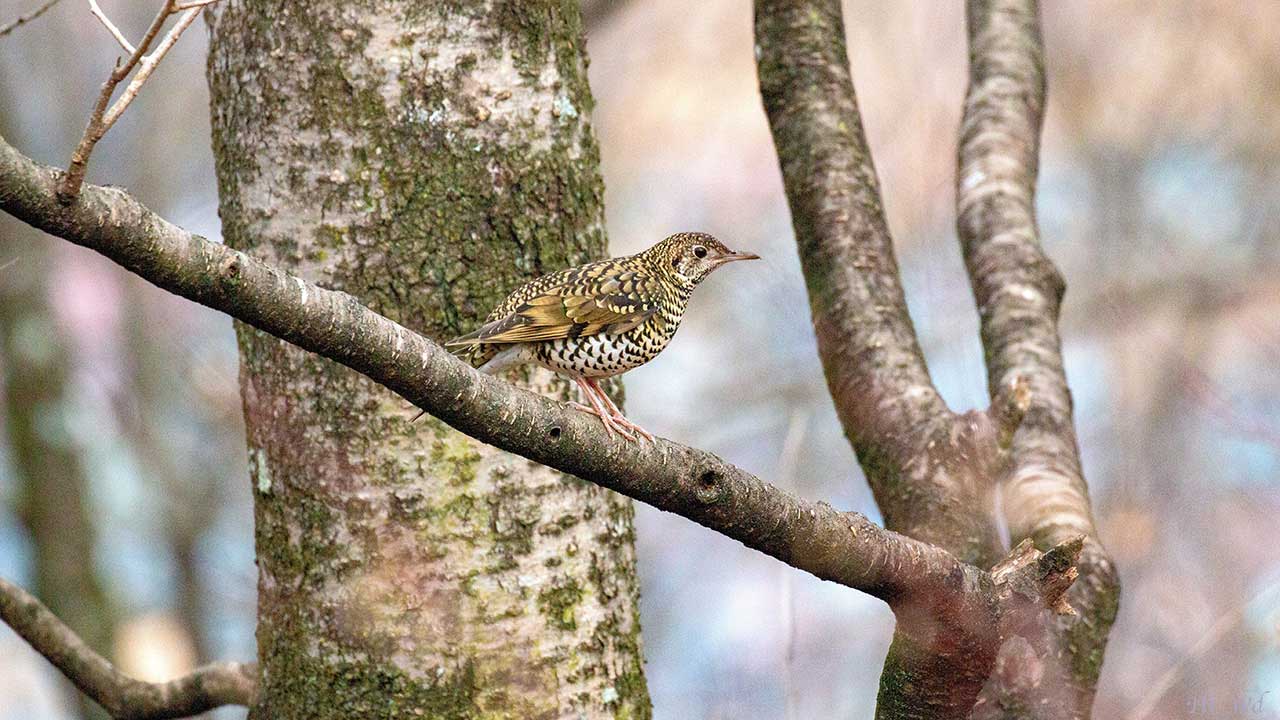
(934, 472)
(425, 157)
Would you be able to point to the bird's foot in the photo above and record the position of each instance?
(622, 421)
(608, 421)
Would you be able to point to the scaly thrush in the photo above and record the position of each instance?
(598, 320)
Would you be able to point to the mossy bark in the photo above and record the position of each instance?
(425, 157)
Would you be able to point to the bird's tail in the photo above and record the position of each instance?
(469, 350)
(474, 355)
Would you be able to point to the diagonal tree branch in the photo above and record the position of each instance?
(1019, 292)
(125, 698)
(814, 537)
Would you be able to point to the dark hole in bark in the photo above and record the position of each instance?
(554, 432)
(708, 486)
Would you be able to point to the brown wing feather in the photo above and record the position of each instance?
(596, 298)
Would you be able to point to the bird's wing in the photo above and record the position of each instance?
(599, 298)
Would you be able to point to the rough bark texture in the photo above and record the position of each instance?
(932, 471)
(919, 458)
(425, 157)
(52, 490)
(1019, 292)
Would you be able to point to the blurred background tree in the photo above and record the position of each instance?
(1159, 190)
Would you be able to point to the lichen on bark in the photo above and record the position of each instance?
(425, 157)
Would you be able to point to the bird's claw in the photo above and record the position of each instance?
(623, 422)
(609, 422)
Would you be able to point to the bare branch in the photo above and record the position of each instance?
(927, 467)
(111, 27)
(205, 688)
(874, 366)
(24, 19)
(101, 118)
(148, 64)
(1017, 287)
(937, 598)
(1019, 292)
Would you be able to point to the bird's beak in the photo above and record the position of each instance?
(736, 256)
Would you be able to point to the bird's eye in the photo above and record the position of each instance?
(699, 251)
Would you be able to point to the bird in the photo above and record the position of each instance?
(598, 320)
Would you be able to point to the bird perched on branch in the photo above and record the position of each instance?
(598, 320)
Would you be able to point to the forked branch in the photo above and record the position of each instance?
(105, 113)
(925, 464)
(125, 698)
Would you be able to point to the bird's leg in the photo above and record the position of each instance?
(618, 417)
(598, 409)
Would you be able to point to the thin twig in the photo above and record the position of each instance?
(149, 63)
(205, 688)
(111, 27)
(24, 19)
(788, 462)
(102, 118)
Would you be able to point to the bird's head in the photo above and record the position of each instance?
(690, 257)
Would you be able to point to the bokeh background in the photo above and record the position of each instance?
(123, 483)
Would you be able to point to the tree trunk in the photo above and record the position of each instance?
(425, 157)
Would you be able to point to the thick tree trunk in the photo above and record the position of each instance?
(425, 157)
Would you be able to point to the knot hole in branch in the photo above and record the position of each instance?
(230, 275)
(708, 486)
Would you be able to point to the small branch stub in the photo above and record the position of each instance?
(1031, 580)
